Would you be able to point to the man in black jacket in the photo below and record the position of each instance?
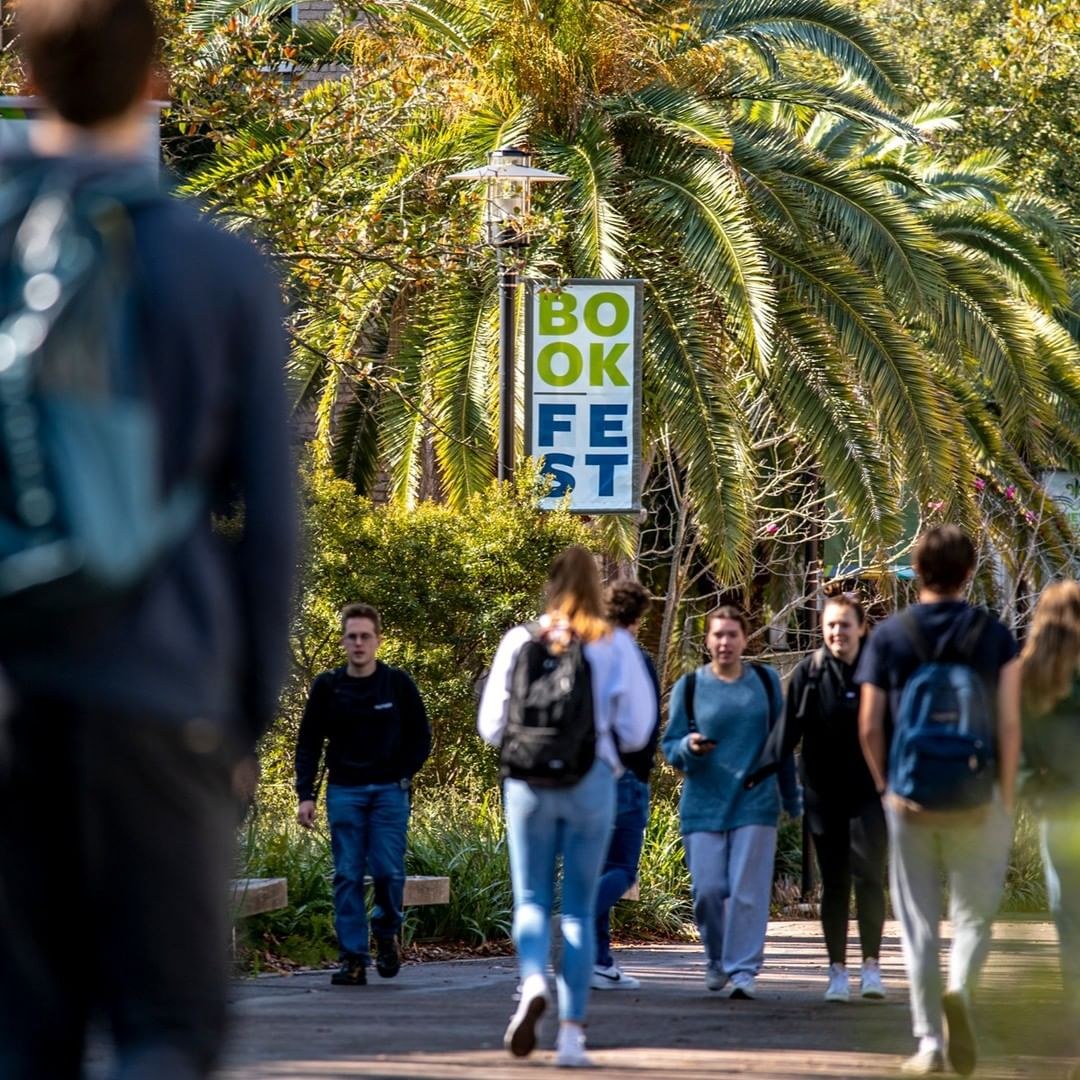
(372, 719)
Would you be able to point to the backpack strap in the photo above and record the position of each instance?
(688, 700)
(969, 643)
(767, 686)
(910, 625)
(813, 679)
(772, 753)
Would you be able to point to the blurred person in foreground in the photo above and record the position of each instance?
(843, 809)
(1050, 695)
(627, 602)
(947, 675)
(132, 727)
(562, 695)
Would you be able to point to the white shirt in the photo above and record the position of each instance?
(623, 698)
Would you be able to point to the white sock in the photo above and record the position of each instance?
(930, 1044)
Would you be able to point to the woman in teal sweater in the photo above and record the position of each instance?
(725, 736)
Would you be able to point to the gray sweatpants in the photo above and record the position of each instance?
(731, 873)
(973, 858)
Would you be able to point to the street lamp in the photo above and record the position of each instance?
(508, 178)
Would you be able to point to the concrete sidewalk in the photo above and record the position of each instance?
(444, 1021)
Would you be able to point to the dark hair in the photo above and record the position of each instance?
(944, 557)
(626, 601)
(88, 58)
(849, 600)
(728, 611)
(361, 611)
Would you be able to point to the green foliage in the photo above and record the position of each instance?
(833, 287)
(448, 583)
(1013, 66)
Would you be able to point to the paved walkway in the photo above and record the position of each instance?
(444, 1021)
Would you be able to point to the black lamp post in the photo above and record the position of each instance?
(508, 178)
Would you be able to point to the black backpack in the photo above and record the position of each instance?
(550, 736)
(83, 518)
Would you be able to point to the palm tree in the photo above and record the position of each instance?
(816, 280)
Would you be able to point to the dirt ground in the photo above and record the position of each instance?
(444, 1021)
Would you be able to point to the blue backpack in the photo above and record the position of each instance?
(943, 745)
(84, 520)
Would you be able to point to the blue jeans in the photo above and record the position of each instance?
(368, 824)
(624, 851)
(541, 824)
(1061, 860)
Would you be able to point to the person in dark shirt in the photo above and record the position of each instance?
(969, 846)
(842, 806)
(372, 720)
(627, 602)
(133, 725)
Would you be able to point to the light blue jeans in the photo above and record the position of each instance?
(1061, 860)
(543, 823)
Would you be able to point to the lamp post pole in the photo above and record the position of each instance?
(508, 278)
(508, 177)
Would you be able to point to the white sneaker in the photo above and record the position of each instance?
(870, 984)
(924, 1063)
(520, 1037)
(743, 986)
(612, 978)
(715, 979)
(570, 1048)
(839, 987)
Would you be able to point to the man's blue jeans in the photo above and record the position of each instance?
(368, 824)
(541, 824)
(624, 852)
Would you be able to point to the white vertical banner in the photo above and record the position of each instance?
(583, 392)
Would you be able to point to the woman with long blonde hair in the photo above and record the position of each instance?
(1050, 665)
(548, 815)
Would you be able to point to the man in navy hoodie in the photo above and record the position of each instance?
(130, 725)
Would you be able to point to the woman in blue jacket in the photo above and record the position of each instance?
(726, 737)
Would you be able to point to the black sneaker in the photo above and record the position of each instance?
(388, 957)
(960, 1047)
(351, 973)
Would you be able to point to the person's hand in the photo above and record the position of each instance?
(699, 744)
(305, 813)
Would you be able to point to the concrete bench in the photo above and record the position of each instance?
(255, 896)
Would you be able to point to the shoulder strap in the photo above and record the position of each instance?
(813, 679)
(767, 686)
(910, 625)
(969, 642)
(688, 700)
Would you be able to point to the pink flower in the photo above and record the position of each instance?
(980, 484)
(936, 507)
(1010, 492)
(1029, 516)
(772, 529)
